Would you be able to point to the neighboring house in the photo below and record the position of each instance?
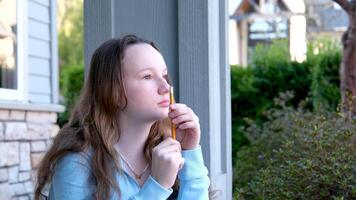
(261, 21)
(325, 18)
(28, 91)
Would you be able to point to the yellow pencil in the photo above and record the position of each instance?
(171, 101)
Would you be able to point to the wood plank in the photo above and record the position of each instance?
(202, 78)
(97, 26)
(54, 53)
(39, 98)
(39, 66)
(43, 2)
(39, 48)
(40, 30)
(39, 84)
(39, 12)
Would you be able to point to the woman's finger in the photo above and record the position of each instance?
(178, 109)
(170, 148)
(182, 118)
(187, 125)
(165, 143)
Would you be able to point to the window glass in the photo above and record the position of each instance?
(8, 30)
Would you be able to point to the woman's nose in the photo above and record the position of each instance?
(164, 87)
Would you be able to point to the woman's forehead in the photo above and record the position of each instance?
(138, 57)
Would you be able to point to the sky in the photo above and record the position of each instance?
(233, 5)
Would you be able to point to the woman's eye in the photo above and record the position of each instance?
(149, 76)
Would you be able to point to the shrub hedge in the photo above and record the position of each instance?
(298, 154)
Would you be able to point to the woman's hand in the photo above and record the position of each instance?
(166, 162)
(187, 125)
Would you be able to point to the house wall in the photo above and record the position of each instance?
(40, 65)
(27, 127)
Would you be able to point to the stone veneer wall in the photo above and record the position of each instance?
(24, 138)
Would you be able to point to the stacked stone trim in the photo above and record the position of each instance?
(24, 138)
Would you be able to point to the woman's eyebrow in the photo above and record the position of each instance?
(151, 68)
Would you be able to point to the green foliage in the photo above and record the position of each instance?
(279, 78)
(298, 154)
(243, 102)
(326, 79)
(253, 90)
(71, 62)
(73, 82)
(276, 53)
(70, 36)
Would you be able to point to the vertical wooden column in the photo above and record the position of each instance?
(204, 81)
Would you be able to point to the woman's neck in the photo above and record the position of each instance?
(133, 136)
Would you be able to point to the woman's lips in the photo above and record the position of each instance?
(164, 103)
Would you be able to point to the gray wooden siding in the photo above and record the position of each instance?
(39, 52)
(160, 25)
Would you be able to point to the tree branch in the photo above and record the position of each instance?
(344, 4)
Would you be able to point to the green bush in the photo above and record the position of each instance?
(253, 90)
(244, 101)
(298, 154)
(271, 72)
(73, 80)
(280, 78)
(326, 78)
(266, 55)
(71, 62)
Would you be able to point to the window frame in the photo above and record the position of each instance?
(19, 94)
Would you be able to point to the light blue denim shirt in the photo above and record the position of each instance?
(72, 180)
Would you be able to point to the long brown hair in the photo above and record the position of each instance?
(94, 121)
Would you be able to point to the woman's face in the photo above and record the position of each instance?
(145, 82)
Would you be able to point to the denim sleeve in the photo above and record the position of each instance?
(152, 190)
(72, 179)
(193, 177)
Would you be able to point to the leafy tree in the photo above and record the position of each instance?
(348, 64)
(70, 35)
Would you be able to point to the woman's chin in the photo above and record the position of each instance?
(157, 114)
(162, 114)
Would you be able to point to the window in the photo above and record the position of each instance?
(11, 50)
(8, 23)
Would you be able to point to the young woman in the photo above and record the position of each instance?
(117, 143)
